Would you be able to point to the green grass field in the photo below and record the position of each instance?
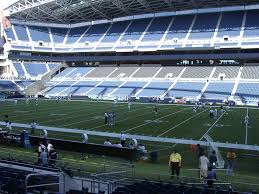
(171, 121)
(174, 121)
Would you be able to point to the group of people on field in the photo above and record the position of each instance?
(207, 164)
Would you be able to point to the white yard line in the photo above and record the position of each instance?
(212, 126)
(156, 119)
(77, 110)
(181, 123)
(131, 117)
(246, 138)
(82, 121)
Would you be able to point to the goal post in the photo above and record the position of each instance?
(212, 147)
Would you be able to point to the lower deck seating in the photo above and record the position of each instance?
(218, 91)
(247, 92)
(186, 89)
(146, 187)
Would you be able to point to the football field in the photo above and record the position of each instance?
(172, 121)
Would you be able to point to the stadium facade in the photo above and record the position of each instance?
(159, 49)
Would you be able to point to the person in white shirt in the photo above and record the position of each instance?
(49, 146)
(203, 164)
(129, 105)
(215, 113)
(33, 127)
(117, 145)
(41, 148)
(107, 143)
(211, 113)
(85, 137)
(9, 127)
(122, 139)
(194, 109)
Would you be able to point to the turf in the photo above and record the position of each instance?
(171, 121)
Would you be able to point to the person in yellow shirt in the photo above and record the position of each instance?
(175, 163)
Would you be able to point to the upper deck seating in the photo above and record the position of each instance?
(21, 33)
(19, 69)
(252, 24)
(75, 34)
(204, 28)
(178, 30)
(39, 33)
(58, 35)
(230, 26)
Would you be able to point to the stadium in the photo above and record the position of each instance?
(96, 96)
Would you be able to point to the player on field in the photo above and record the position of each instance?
(215, 113)
(156, 110)
(193, 109)
(211, 112)
(129, 105)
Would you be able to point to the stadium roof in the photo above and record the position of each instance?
(76, 11)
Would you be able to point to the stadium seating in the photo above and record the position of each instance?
(247, 92)
(146, 187)
(186, 89)
(250, 72)
(7, 85)
(197, 72)
(147, 33)
(147, 81)
(218, 91)
(229, 72)
(33, 69)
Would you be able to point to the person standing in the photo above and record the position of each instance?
(52, 156)
(204, 163)
(105, 118)
(33, 127)
(231, 156)
(123, 139)
(213, 160)
(44, 157)
(175, 163)
(40, 150)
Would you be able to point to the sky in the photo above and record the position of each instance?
(6, 3)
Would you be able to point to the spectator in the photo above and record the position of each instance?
(204, 162)
(200, 150)
(52, 155)
(105, 118)
(231, 156)
(175, 163)
(142, 151)
(107, 143)
(49, 145)
(117, 145)
(33, 127)
(9, 127)
(213, 160)
(44, 157)
(40, 150)
(84, 138)
(123, 139)
(211, 177)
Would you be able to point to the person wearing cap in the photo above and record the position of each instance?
(175, 163)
